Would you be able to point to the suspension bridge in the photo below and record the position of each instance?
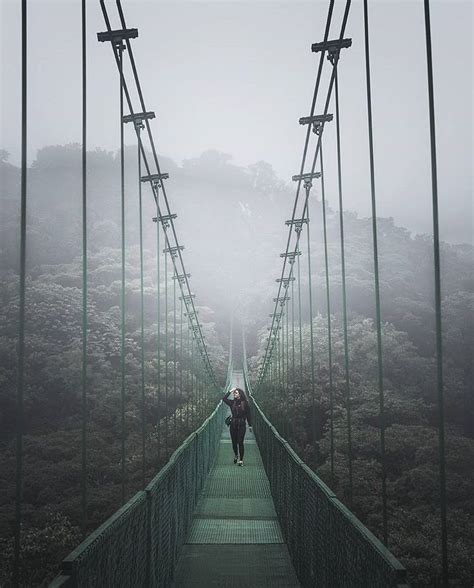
(200, 521)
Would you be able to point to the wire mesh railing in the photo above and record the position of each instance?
(139, 545)
(328, 545)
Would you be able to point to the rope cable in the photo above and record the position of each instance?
(122, 289)
(84, 275)
(142, 316)
(185, 281)
(437, 289)
(311, 335)
(376, 277)
(155, 157)
(166, 357)
(22, 290)
(305, 149)
(329, 92)
(328, 307)
(343, 277)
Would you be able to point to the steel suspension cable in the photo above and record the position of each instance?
(158, 326)
(188, 372)
(155, 157)
(287, 346)
(122, 290)
(84, 274)
(167, 428)
(376, 276)
(205, 355)
(343, 26)
(311, 335)
(437, 289)
(175, 392)
(22, 291)
(343, 276)
(305, 150)
(181, 349)
(193, 387)
(293, 373)
(328, 307)
(300, 320)
(142, 314)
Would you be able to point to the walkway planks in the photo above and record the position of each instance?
(235, 539)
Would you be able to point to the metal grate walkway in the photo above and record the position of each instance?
(235, 539)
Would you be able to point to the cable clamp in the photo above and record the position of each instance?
(155, 179)
(117, 37)
(332, 47)
(164, 218)
(317, 121)
(138, 118)
(181, 278)
(173, 251)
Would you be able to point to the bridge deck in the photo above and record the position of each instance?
(235, 539)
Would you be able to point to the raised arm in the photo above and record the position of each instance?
(225, 398)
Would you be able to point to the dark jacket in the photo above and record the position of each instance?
(239, 408)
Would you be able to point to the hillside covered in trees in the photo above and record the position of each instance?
(231, 220)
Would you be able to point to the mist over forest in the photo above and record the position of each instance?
(231, 222)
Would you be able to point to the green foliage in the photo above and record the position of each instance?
(411, 434)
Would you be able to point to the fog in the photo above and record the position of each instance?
(236, 77)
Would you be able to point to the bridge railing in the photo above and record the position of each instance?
(328, 545)
(140, 543)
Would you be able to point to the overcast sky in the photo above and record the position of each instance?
(236, 76)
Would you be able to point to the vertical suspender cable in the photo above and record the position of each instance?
(158, 325)
(292, 326)
(175, 393)
(292, 420)
(376, 277)
(21, 318)
(84, 275)
(305, 149)
(181, 349)
(122, 292)
(142, 309)
(193, 396)
(283, 377)
(188, 372)
(437, 280)
(300, 326)
(287, 344)
(328, 307)
(343, 272)
(311, 336)
(166, 352)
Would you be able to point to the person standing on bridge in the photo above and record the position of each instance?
(240, 409)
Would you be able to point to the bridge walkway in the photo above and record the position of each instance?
(235, 539)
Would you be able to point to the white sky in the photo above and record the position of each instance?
(236, 76)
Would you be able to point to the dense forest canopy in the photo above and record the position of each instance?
(231, 220)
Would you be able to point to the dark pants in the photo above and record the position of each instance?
(237, 434)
